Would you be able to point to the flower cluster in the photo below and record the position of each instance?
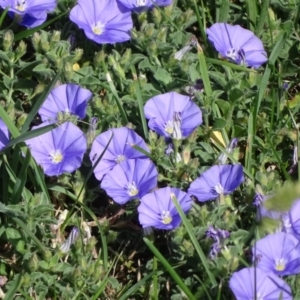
(61, 150)
(277, 254)
(29, 13)
(112, 27)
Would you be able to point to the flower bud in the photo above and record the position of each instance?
(55, 36)
(20, 50)
(142, 17)
(36, 40)
(149, 31)
(77, 54)
(156, 14)
(186, 154)
(126, 57)
(92, 131)
(47, 255)
(116, 66)
(8, 39)
(162, 34)
(99, 57)
(21, 120)
(68, 71)
(39, 88)
(91, 243)
(152, 49)
(33, 263)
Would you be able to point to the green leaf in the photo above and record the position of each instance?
(43, 70)
(219, 123)
(162, 76)
(12, 234)
(170, 269)
(39, 103)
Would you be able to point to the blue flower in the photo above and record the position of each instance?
(120, 148)
(104, 22)
(141, 5)
(237, 44)
(131, 179)
(173, 115)
(60, 150)
(4, 135)
(278, 253)
(70, 99)
(254, 283)
(217, 180)
(29, 13)
(158, 210)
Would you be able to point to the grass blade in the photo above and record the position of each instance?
(169, 268)
(26, 33)
(139, 100)
(39, 103)
(197, 246)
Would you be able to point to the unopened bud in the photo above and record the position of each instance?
(99, 57)
(77, 54)
(55, 36)
(33, 262)
(21, 120)
(8, 39)
(36, 40)
(126, 57)
(20, 50)
(186, 154)
(149, 31)
(91, 243)
(156, 16)
(68, 71)
(152, 49)
(162, 34)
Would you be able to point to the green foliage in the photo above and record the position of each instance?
(111, 258)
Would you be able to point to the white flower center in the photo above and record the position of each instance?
(120, 158)
(219, 189)
(165, 217)
(20, 5)
(280, 264)
(169, 127)
(141, 2)
(98, 28)
(173, 127)
(132, 190)
(56, 156)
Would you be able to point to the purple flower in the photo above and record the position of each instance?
(119, 149)
(131, 179)
(29, 13)
(4, 135)
(104, 22)
(294, 217)
(173, 115)
(73, 236)
(141, 5)
(219, 236)
(158, 210)
(237, 44)
(60, 150)
(229, 149)
(217, 180)
(262, 211)
(67, 98)
(279, 253)
(254, 283)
